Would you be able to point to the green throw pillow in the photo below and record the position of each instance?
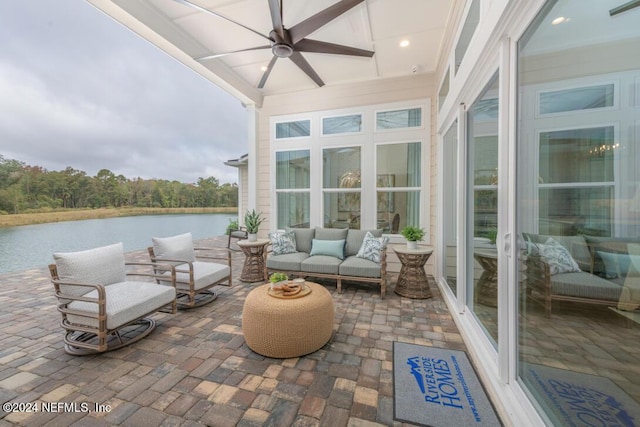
(334, 248)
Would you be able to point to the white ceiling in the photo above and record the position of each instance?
(377, 25)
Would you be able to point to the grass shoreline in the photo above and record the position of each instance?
(14, 220)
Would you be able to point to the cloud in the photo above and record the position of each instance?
(81, 90)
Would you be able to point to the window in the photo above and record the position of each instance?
(399, 119)
(582, 98)
(444, 90)
(398, 177)
(576, 174)
(297, 129)
(341, 187)
(293, 174)
(349, 175)
(469, 27)
(342, 124)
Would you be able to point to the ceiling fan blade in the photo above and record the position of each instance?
(216, 14)
(276, 17)
(218, 55)
(302, 63)
(317, 46)
(624, 7)
(309, 25)
(265, 76)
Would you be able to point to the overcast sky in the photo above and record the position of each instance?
(78, 89)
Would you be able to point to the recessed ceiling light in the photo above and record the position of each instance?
(559, 20)
(404, 43)
(263, 68)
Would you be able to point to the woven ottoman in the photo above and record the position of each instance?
(284, 328)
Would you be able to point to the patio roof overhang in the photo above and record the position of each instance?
(406, 37)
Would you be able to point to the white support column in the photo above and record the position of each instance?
(252, 172)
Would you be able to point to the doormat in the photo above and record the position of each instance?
(436, 387)
(577, 399)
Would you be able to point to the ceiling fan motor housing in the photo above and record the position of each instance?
(281, 46)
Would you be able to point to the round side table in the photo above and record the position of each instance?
(412, 280)
(255, 268)
(292, 327)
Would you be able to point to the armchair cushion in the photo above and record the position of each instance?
(178, 247)
(372, 247)
(103, 265)
(126, 301)
(204, 274)
(283, 242)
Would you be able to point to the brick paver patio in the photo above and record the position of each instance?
(195, 368)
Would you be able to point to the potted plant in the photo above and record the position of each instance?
(413, 235)
(252, 221)
(277, 277)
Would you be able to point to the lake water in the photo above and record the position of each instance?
(32, 246)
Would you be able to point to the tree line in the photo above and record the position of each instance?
(25, 188)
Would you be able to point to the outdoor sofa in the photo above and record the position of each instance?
(585, 269)
(331, 253)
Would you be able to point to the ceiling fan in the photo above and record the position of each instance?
(624, 7)
(290, 42)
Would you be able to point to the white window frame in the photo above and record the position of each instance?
(292, 138)
(367, 140)
(331, 135)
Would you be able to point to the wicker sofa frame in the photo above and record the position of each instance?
(540, 282)
(380, 279)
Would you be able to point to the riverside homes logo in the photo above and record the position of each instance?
(442, 383)
(580, 405)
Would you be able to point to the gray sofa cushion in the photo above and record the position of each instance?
(355, 239)
(304, 236)
(354, 266)
(126, 301)
(585, 285)
(99, 266)
(331, 233)
(321, 264)
(286, 262)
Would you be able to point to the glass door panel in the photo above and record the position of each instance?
(450, 178)
(482, 222)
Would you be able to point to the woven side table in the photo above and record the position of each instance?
(486, 291)
(412, 280)
(284, 328)
(255, 267)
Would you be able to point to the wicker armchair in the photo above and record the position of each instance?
(101, 309)
(195, 274)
